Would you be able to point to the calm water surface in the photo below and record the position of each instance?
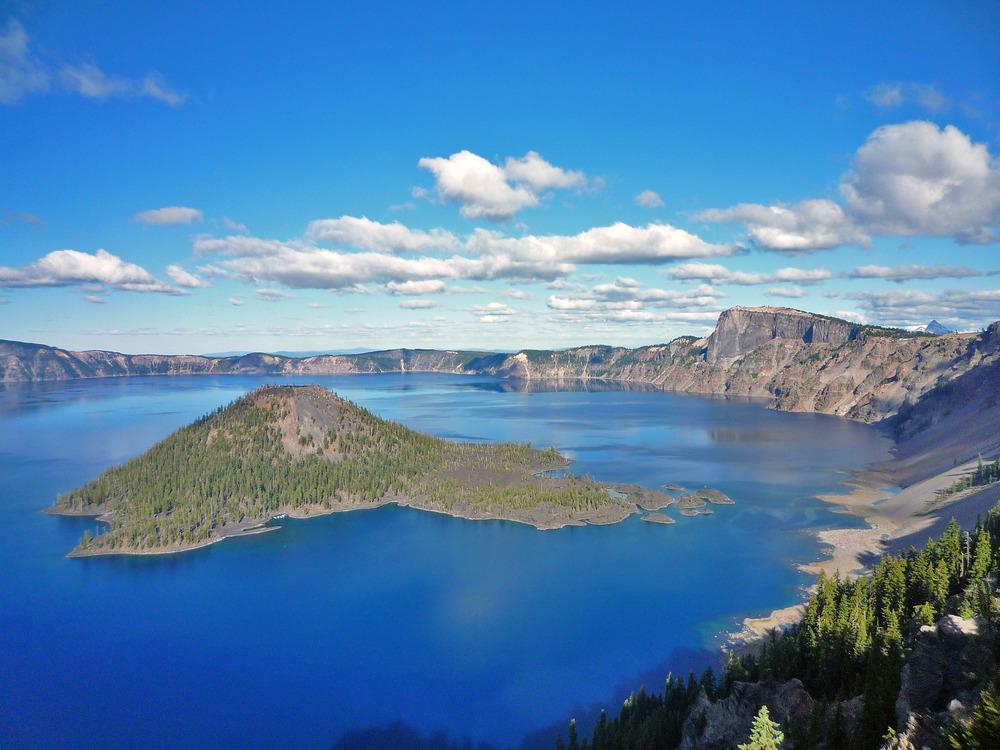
(487, 630)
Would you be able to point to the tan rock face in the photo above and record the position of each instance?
(741, 330)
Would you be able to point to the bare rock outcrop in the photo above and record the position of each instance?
(740, 330)
(725, 723)
(949, 665)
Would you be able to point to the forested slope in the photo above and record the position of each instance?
(302, 450)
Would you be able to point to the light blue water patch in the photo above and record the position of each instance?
(486, 630)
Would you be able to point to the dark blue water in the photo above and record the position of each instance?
(487, 630)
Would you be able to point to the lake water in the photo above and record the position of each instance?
(487, 630)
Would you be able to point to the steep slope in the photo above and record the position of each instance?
(800, 361)
(302, 450)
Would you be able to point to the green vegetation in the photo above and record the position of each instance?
(982, 732)
(851, 641)
(983, 475)
(765, 734)
(301, 449)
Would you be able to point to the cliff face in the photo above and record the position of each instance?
(740, 330)
(799, 361)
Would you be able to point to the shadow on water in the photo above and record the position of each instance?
(401, 736)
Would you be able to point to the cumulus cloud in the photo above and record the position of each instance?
(88, 80)
(169, 216)
(912, 179)
(617, 243)
(908, 273)
(236, 301)
(627, 301)
(648, 199)
(417, 304)
(493, 312)
(478, 185)
(798, 228)
(21, 72)
(186, 279)
(487, 255)
(717, 274)
(74, 268)
(892, 95)
(919, 179)
(792, 291)
(485, 190)
(304, 266)
(365, 234)
(539, 175)
(517, 294)
(425, 286)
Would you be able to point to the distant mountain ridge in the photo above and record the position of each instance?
(798, 360)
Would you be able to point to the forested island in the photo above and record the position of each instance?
(301, 451)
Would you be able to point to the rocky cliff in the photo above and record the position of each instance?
(740, 330)
(797, 360)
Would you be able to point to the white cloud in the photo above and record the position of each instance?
(417, 304)
(791, 291)
(517, 294)
(493, 312)
(304, 266)
(184, 278)
(799, 228)
(721, 275)
(539, 175)
(365, 234)
(648, 199)
(234, 226)
(617, 243)
(892, 95)
(960, 309)
(235, 301)
(272, 295)
(625, 301)
(485, 190)
(88, 80)
(908, 273)
(493, 256)
(918, 179)
(20, 72)
(73, 268)
(94, 299)
(478, 185)
(425, 286)
(913, 179)
(169, 216)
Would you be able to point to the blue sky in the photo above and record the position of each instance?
(188, 179)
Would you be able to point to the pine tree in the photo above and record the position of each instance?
(982, 730)
(765, 734)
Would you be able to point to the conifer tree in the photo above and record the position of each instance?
(765, 734)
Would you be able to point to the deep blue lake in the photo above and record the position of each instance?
(487, 630)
